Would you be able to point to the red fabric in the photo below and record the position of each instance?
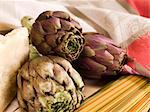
(141, 6)
(139, 50)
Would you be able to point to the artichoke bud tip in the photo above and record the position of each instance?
(33, 53)
(88, 51)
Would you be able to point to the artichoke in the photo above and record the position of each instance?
(49, 84)
(100, 57)
(55, 32)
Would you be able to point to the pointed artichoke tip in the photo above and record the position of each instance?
(88, 51)
(33, 53)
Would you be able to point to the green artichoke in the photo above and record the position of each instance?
(55, 32)
(49, 84)
(100, 57)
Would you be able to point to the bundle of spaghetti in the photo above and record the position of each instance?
(127, 94)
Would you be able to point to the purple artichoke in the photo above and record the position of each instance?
(55, 32)
(100, 57)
